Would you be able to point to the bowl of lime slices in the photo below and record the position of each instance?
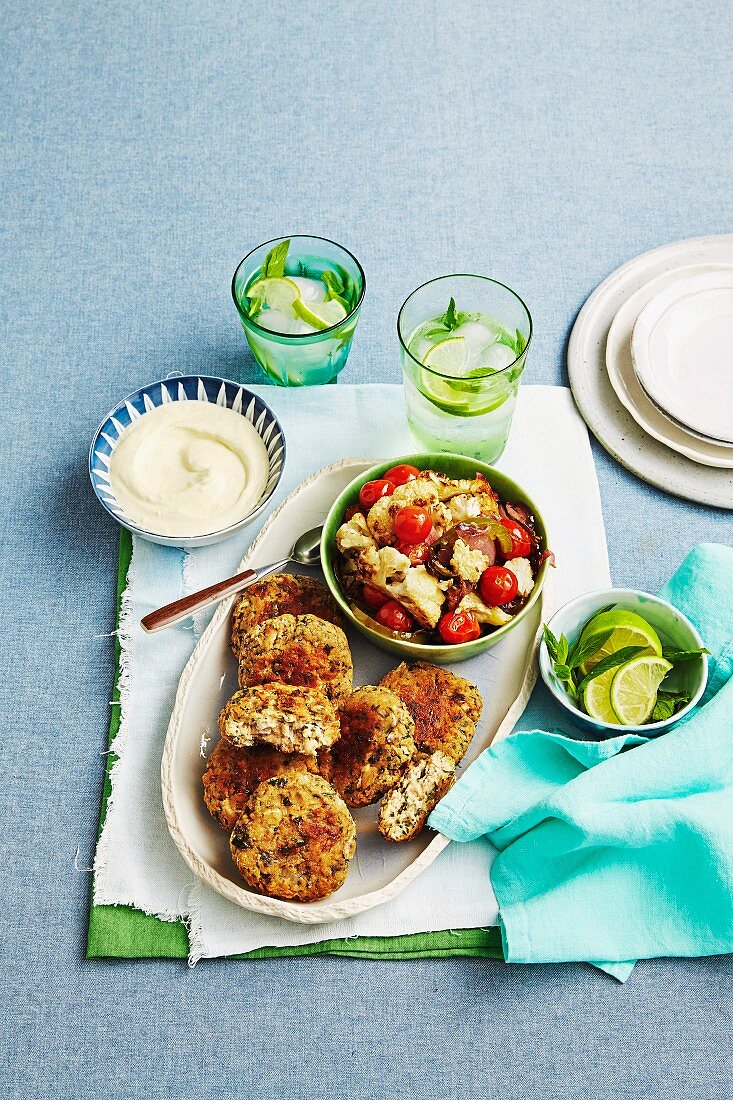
(619, 660)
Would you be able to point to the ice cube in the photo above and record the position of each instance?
(495, 357)
(275, 320)
(311, 290)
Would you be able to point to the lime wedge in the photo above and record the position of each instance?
(448, 356)
(597, 698)
(275, 294)
(634, 689)
(627, 628)
(319, 314)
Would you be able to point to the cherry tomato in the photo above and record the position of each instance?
(521, 539)
(417, 553)
(458, 626)
(371, 492)
(497, 586)
(394, 617)
(351, 511)
(412, 524)
(372, 597)
(399, 475)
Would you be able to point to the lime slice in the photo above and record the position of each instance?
(448, 356)
(597, 698)
(462, 394)
(275, 294)
(319, 314)
(627, 628)
(634, 689)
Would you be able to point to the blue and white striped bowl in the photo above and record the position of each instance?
(194, 387)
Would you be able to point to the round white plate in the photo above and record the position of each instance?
(632, 395)
(682, 349)
(609, 421)
(379, 871)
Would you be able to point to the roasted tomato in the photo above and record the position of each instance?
(394, 617)
(458, 626)
(370, 493)
(412, 525)
(497, 586)
(521, 539)
(351, 511)
(372, 597)
(399, 475)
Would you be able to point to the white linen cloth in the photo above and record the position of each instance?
(137, 863)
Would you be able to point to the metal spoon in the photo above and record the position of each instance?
(306, 551)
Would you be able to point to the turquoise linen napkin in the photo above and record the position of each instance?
(621, 849)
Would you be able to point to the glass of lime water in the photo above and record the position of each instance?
(464, 340)
(298, 299)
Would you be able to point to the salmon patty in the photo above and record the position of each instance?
(375, 744)
(233, 773)
(295, 838)
(444, 707)
(406, 807)
(291, 719)
(280, 594)
(301, 650)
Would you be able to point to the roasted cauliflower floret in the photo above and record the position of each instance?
(418, 591)
(522, 570)
(449, 487)
(466, 506)
(494, 616)
(420, 594)
(383, 568)
(419, 493)
(354, 535)
(467, 563)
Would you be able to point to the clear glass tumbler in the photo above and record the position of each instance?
(302, 359)
(461, 396)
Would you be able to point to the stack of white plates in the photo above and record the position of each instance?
(651, 367)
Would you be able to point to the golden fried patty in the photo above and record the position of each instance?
(292, 719)
(298, 649)
(444, 707)
(295, 838)
(280, 594)
(233, 773)
(406, 807)
(375, 744)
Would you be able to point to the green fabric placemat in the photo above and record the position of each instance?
(119, 931)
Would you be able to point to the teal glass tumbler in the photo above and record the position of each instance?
(314, 358)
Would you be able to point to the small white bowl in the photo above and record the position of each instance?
(193, 387)
(674, 630)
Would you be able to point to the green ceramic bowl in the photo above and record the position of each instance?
(456, 466)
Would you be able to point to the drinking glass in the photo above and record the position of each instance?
(313, 358)
(468, 414)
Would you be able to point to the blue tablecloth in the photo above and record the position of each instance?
(146, 149)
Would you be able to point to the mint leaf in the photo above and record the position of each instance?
(519, 343)
(612, 661)
(576, 643)
(274, 265)
(668, 703)
(334, 283)
(551, 642)
(450, 318)
(334, 288)
(585, 648)
(675, 655)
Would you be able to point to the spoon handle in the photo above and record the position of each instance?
(181, 609)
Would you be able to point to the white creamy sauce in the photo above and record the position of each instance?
(189, 468)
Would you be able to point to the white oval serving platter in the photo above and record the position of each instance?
(631, 393)
(682, 348)
(610, 422)
(505, 676)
